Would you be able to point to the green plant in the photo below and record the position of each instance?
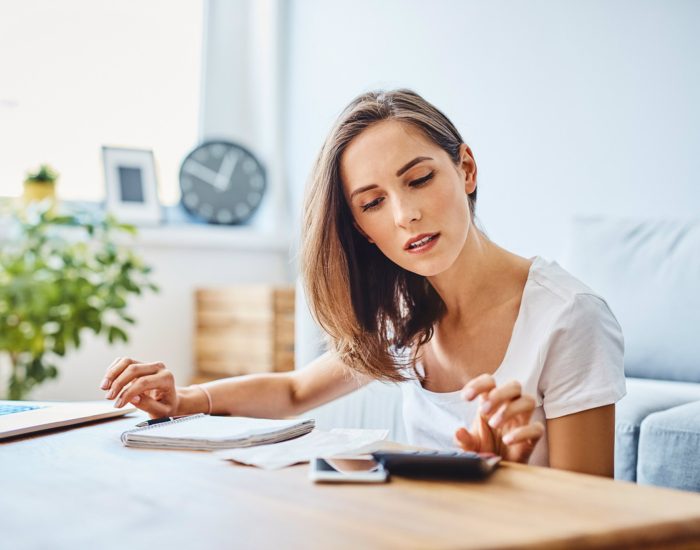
(45, 174)
(61, 275)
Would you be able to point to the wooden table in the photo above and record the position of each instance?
(80, 488)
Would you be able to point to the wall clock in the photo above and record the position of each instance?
(221, 182)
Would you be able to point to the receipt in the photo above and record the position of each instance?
(318, 443)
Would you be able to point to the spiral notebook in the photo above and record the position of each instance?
(209, 433)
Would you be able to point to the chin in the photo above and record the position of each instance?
(428, 267)
(430, 271)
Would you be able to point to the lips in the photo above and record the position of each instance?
(420, 241)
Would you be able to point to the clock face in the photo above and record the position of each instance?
(221, 182)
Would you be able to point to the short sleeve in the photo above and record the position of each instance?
(583, 359)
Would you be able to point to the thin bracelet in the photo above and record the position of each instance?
(206, 392)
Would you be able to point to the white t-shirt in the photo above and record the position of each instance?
(566, 350)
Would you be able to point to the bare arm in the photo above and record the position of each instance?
(583, 442)
(275, 395)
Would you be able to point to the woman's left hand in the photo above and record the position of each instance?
(502, 425)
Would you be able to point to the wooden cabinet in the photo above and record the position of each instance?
(242, 330)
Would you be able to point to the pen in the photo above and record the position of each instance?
(158, 420)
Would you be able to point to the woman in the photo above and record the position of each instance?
(494, 352)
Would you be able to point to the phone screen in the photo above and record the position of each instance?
(347, 469)
(347, 465)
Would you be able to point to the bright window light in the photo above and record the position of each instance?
(79, 74)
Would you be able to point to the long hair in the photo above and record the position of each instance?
(372, 309)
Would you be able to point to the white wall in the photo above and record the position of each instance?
(570, 107)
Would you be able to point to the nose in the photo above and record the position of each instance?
(406, 210)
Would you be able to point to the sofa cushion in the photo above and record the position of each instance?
(649, 273)
(669, 447)
(643, 398)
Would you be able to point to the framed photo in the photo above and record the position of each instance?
(132, 189)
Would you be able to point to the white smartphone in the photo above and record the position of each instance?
(347, 469)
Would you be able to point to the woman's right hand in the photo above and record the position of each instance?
(148, 386)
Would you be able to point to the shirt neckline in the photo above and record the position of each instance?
(453, 395)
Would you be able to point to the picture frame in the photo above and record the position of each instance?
(131, 185)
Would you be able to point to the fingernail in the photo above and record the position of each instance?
(118, 403)
(485, 406)
(508, 439)
(495, 420)
(469, 394)
(105, 384)
(136, 400)
(110, 394)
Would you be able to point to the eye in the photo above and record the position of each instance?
(371, 205)
(422, 181)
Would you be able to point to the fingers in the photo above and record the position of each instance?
(466, 441)
(154, 408)
(529, 434)
(499, 406)
(498, 396)
(493, 396)
(114, 370)
(522, 406)
(476, 386)
(129, 373)
(132, 392)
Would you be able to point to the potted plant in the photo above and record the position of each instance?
(59, 277)
(40, 185)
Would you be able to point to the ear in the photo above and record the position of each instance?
(362, 232)
(468, 166)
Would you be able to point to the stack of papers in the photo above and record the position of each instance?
(303, 449)
(208, 433)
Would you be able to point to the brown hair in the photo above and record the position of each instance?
(372, 309)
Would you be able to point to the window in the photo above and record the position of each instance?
(80, 74)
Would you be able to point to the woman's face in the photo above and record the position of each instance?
(407, 196)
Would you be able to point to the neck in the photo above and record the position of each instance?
(482, 277)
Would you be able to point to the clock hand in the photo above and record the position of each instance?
(201, 171)
(228, 166)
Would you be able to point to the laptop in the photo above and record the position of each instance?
(25, 417)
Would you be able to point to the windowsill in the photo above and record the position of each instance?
(180, 234)
(211, 236)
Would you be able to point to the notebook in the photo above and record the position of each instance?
(208, 433)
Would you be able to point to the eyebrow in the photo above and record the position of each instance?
(405, 168)
(410, 165)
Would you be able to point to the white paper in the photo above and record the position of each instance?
(318, 443)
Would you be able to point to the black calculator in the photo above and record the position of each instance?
(438, 464)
